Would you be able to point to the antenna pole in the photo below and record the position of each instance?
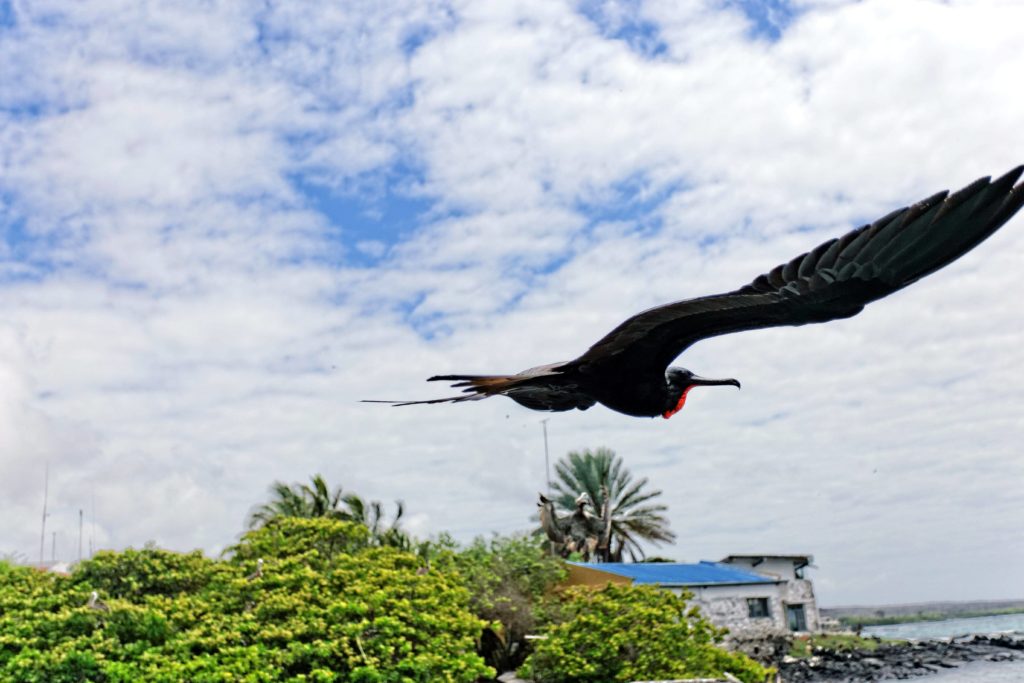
(547, 465)
(42, 532)
(92, 533)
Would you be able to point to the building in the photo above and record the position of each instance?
(751, 595)
(796, 601)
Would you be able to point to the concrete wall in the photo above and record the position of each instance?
(801, 591)
(777, 567)
(727, 606)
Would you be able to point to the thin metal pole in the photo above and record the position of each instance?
(92, 532)
(53, 549)
(547, 465)
(42, 532)
(80, 515)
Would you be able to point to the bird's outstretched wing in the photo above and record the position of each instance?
(833, 281)
(540, 388)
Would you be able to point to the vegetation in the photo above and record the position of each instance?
(327, 607)
(317, 499)
(630, 633)
(634, 517)
(510, 580)
(321, 588)
(803, 647)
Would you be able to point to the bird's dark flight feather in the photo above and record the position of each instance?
(834, 280)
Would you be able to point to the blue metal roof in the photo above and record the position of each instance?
(676, 574)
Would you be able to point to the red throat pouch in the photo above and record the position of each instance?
(679, 406)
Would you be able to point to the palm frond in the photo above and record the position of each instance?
(635, 518)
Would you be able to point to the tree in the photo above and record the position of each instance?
(299, 500)
(509, 579)
(371, 515)
(317, 499)
(634, 518)
(630, 633)
(325, 608)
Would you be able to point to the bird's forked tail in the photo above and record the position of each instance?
(474, 388)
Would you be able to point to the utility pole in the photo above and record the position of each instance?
(80, 515)
(42, 532)
(547, 465)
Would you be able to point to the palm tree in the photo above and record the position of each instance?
(634, 518)
(299, 500)
(371, 515)
(317, 499)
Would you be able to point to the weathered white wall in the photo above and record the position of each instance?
(727, 606)
(776, 567)
(800, 591)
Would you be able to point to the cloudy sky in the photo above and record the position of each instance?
(224, 223)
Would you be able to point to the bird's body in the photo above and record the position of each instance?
(259, 571)
(628, 369)
(96, 604)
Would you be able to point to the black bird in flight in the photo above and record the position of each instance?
(628, 370)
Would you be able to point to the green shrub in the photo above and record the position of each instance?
(326, 608)
(509, 579)
(629, 633)
(133, 574)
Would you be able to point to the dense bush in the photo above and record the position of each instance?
(324, 609)
(629, 633)
(510, 579)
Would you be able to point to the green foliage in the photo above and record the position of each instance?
(315, 542)
(629, 633)
(635, 518)
(318, 500)
(508, 578)
(805, 646)
(325, 608)
(134, 574)
(315, 499)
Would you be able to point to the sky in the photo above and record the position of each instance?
(223, 224)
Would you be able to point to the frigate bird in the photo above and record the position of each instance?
(628, 369)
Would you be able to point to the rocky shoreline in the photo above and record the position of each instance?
(895, 661)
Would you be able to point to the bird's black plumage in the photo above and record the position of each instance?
(627, 370)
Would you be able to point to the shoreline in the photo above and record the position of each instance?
(901, 660)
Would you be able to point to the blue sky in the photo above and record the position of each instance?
(222, 226)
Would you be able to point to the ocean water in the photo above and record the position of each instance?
(974, 672)
(1003, 623)
(979, 672)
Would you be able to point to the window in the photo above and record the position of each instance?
(757, 608)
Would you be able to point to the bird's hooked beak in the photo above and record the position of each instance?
(696, 381)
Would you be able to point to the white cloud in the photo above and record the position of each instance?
(191, 329)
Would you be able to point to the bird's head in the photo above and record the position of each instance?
(680, 381)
